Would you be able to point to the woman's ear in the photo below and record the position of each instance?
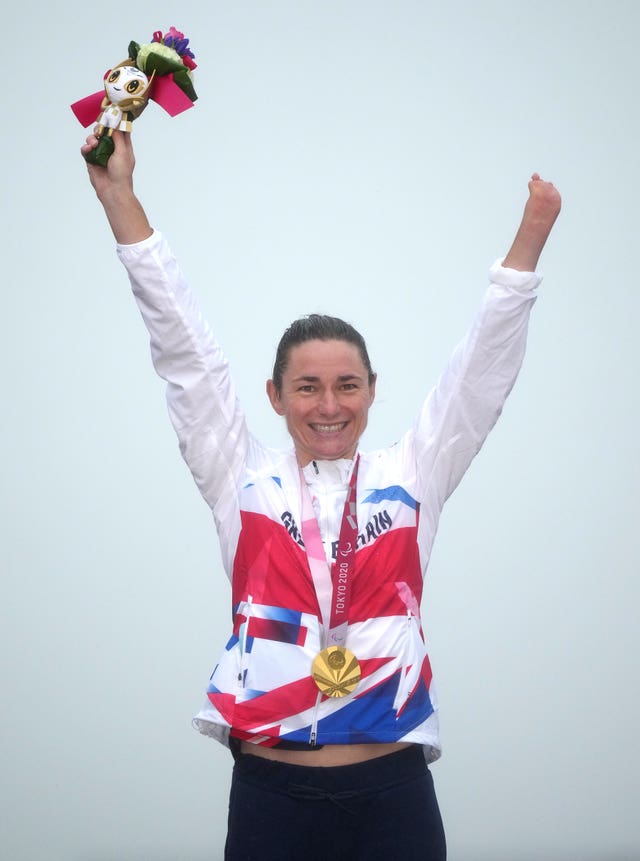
(274, 397)
(372, 389)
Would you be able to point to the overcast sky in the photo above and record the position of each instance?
(370, 160)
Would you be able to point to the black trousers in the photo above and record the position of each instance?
(377, 810)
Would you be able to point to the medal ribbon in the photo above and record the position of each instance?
(341, 572)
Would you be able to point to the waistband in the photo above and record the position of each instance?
(382, 772)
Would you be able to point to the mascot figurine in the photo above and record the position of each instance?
(159, 70)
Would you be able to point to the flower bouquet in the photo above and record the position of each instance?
(160, 70)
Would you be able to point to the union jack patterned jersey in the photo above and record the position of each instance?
(262, 689)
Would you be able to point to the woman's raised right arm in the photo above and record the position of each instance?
(113, 185)
(203, 407)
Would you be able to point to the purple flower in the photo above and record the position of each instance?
(176, 40)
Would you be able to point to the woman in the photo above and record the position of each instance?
(324, 689)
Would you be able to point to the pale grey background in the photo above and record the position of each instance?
(367, 159)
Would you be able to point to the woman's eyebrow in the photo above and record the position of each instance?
(342, 378)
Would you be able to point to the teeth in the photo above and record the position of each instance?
(329, 428)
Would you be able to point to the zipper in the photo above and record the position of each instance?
(402, 694)
(313, 735)
(243, 642)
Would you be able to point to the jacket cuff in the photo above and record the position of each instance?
(514, 278)
(125, 251)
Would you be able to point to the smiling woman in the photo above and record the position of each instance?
(324, 691)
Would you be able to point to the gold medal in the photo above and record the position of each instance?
(336, 671)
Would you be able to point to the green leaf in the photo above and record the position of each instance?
(133, 50)
(183, 80)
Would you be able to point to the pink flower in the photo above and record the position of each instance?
(173, 38)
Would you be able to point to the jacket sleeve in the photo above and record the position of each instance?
(201, 398)
(466, 402)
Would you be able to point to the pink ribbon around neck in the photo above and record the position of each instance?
(338, 579)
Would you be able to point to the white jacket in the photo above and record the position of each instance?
(262, 686)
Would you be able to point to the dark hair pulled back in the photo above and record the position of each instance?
(317, 327)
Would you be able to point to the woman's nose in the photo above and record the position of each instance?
(329, 405)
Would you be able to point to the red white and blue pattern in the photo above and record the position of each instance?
(277, 631)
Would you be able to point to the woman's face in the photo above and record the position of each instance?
(325, 399)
